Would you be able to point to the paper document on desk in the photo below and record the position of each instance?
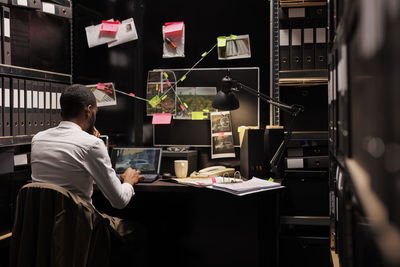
(206, 182)
(253, 185)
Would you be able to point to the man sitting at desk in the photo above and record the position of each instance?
(72, 156)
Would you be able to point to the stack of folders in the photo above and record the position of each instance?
(307, 155)
(303, 38)
(28, 106)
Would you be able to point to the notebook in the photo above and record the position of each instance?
(147, 160)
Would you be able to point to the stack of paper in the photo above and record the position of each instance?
(253, 185)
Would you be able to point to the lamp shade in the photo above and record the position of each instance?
(226, 99)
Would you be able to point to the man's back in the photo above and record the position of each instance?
(59, 156)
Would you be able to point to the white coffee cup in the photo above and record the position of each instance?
(181, 168)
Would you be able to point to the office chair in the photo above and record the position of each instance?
(54, 227)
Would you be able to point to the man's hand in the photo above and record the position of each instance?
(96, 132)
(131, 176)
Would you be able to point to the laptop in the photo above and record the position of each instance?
(147, 160)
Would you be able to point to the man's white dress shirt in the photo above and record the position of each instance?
(70, 157)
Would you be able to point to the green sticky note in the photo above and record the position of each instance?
(204, 54)
(271, 179)
(183, 78)
(233, 37)
(155, 101)
(197, 115)
(186, 106)
(206, 110)
(164, 97)
(221, 41)
(165, 74)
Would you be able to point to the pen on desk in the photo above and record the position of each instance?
(170, 43)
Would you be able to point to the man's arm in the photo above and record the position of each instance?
(98, 164)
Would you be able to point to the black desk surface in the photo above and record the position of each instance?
(190, 226)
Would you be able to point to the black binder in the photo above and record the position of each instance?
(317, 162)
(41, 105)
(296, 51)
(7, 107)
(308, 47)
(6, 36)
(60, 90)
(36, 4)
(28, 108)
(35, 108)
(1, 36)
(15, 107)
(47, 106)
(320, 48)
(57, 10)
(22, 105)
(307, 151)
(284, 51)
(53, 110)
(1, 108)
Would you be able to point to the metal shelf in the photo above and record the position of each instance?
(35, 74)
(311, 135)
(304, 74)
(306, 220)
(15, 140)
(301, 3)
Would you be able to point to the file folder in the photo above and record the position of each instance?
(35, 108)
(47, 106)
(317, 162)
(53, 109)
(60, 90)
(15, 107)
(1, 109)
(320, 48)
(29, 110)
(21, 114)
(6, 36)
(308, 48)
(40, 89)
(296, 53)
(57, 10)
(7, 107)
(284, 52)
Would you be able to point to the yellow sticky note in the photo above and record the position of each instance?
(206, 110)
(221, 41)
(186, 106)
(239, 129)
(204, 54)
(271, 179)
(165, 74)
(197, 115)
(183, 78)
(233, 37)
(155, 101)
(164, 97)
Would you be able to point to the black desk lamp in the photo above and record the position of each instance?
(226, 99)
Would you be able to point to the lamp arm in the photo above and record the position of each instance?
(294, 109)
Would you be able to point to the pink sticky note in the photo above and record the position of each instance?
(182, 107)
(213, 179)
(100, 86)
(221, 134)
(173, 27)
(109, 26)
(109, 91)
(132, 94)
(169, 85)
(161, 118)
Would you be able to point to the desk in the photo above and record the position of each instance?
(189, 226)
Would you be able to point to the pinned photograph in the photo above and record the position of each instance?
(233, 47)
(222, 145)
(127, 32)
(104, 93)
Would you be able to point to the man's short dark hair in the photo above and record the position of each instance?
(74, 99)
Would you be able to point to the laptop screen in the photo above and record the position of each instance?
(147, 160)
